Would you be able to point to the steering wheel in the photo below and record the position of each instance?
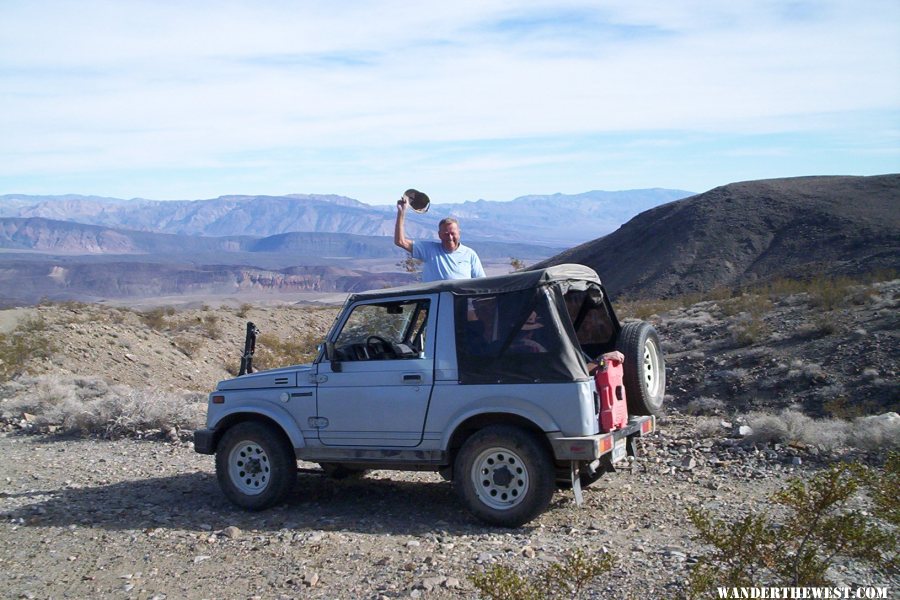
(377, 338)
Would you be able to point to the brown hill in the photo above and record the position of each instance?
(751, 231)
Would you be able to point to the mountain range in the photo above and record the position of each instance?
(90, 248)
(557, 220)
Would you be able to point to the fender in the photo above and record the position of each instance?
(266, 409)
(519, 407)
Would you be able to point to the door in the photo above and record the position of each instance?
(375, 387)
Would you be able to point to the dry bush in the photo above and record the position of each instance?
(708, 427)
(568, 579)
(749, 330)
(755, 304)
(187, 345)
(870, 433)
(273, 352)
(211, 327)
(818, 521)
(705, 406)
(244, 310)
(155, 318)
(27, 342)
(89, 406)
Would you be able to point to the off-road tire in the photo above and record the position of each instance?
(504, 475)
(255, 465)
(644, 368)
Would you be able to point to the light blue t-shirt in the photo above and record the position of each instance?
(439, 264)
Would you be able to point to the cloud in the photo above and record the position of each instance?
(110, 86)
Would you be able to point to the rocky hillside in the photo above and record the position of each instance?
(748, 232)
(828, 348)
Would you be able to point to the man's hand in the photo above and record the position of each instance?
(399, 234)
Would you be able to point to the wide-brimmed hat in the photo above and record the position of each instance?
(532, 322)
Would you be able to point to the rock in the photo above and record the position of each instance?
(688, 463)
(452, 583)
(745, 431)
(430, 583)
(413, 544)
(796, 460)
(311, 579)
(528, 552)
(232, 532)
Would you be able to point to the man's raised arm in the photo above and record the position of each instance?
(399, 233)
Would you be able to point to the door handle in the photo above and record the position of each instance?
(412, 378)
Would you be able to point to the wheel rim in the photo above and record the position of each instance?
(651, 369)
(500, 478)
(249, 468)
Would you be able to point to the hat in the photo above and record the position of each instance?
(532, 322)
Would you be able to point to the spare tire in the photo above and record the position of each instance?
(644, 368)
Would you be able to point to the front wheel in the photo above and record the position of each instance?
(504, 475)
(255, 465)
(644, 368)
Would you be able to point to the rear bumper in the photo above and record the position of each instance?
(592, 447)
(204, 441)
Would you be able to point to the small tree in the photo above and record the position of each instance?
(567, 579)
(516, 264)
(818, 527)
(412, 265)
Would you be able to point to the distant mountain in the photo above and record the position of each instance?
(556, 220)
(751, 231)
(63, 237)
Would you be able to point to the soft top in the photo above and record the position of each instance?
(499, 284)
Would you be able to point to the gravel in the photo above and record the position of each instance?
(145, 519)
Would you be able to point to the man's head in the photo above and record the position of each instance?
(448, 231)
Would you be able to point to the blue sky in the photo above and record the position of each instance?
(491, 99)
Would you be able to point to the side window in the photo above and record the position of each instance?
(384, 331)
(592, 322)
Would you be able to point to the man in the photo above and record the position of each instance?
(448, 259)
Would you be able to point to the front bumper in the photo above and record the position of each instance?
(592, 447)
(204, 441)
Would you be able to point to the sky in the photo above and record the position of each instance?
(464, 100)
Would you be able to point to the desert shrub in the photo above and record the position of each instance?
(272, 351)
(566, 579)
(187, 345)
(875, 432)
(211, 327)
(89, 406)
(243, 310)
(755, 304)
(749, 330)
(155, 318)
(28, 341)
(708, 427)
(870, 433)
(705, 406)
(817, 525)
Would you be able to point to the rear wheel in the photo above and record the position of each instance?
(255, 465)
(504, 475)
(644, 368)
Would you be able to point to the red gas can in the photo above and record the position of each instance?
(608, 378)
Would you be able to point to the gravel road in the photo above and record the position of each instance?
(145, 519)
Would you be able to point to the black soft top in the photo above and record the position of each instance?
(500, 284)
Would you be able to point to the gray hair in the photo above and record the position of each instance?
(448, 221)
